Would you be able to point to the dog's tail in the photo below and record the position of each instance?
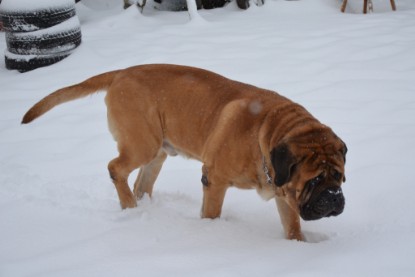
(85, 88)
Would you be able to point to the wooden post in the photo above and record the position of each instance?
(393, 5)
(365, 3)
(343, 6)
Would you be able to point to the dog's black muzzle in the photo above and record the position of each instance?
(330, 202)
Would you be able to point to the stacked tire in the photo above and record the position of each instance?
(38, 36)
(181, 5)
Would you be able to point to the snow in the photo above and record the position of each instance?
(54, 52)
(30, 5)
(59, 212)
(192, 9)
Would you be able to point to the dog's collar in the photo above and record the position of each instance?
(266, 171)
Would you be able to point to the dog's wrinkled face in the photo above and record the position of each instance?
(322, 196)
(309, 169)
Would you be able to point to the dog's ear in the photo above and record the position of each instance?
(283, 162)
(344, 152)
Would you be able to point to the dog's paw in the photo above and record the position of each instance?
(298, 236)
(128, 204)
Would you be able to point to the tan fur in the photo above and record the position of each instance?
(231, 127)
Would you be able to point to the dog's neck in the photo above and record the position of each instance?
(265, 168)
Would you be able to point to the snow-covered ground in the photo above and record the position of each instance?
(59, 212)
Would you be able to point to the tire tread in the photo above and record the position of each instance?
(35, 20)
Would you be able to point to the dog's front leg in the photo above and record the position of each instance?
(290, 220)
(213, 195)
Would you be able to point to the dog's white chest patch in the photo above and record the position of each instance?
(266, 193)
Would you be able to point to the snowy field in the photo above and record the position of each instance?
(59, 212)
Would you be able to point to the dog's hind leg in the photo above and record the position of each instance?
(132, 156)
(147, 175)
(119, 169)
(137, 129)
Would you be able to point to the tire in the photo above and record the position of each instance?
(43, 43)
(212, 4)
(243, 4)
(24, 63)
(175, 5)
(29, 21)
(40, 37)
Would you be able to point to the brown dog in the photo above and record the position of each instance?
(245, 137)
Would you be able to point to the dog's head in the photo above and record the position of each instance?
(309, 170)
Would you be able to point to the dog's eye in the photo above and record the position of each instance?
(337, 175)
(316, 181)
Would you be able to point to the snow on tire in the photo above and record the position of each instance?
(28, 21)
(23, 63)
(43, 43)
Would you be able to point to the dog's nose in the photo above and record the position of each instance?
(333, 195)
(331, 201)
